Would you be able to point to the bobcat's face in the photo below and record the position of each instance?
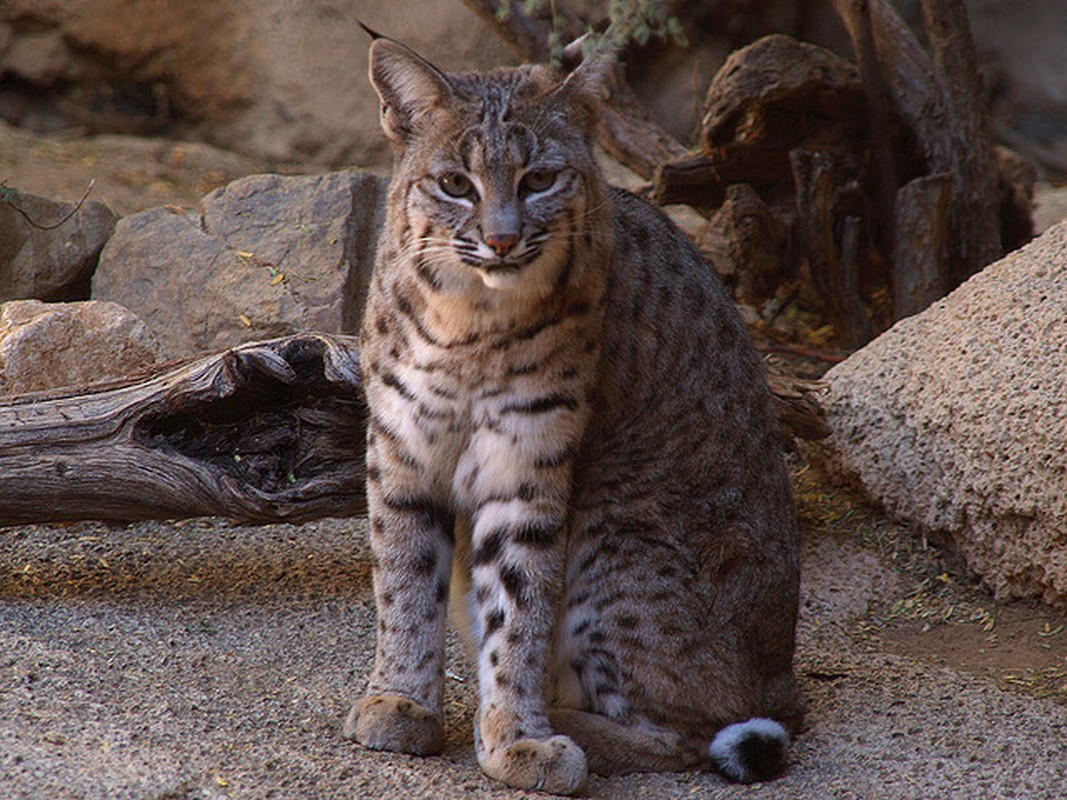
(495, 173)
(499, 213)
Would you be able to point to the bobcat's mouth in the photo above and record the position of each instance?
(492, 266)
(508, 265)
(501, 267)
(480, 256)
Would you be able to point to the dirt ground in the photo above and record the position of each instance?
(203, 659)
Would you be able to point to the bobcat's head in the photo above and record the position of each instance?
(495, 170)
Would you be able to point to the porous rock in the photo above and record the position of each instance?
(264, 256)
(49, 250)
(955, 420)
(45, 345)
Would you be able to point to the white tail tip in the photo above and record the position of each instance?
(750, 751)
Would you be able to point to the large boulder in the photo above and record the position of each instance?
(48, 249)
(264, 256)
(955, 420)
(45, 345)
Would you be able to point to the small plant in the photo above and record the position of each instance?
(630, 21)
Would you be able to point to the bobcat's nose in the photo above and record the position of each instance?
(502, 243)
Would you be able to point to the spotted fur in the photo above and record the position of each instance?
(549, 362)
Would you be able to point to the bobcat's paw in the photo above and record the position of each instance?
(398, 724)
(555, 765)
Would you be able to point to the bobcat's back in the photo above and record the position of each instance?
(683, 536)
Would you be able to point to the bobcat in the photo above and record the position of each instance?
(551, 364)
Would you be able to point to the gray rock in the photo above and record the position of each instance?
(39, 261)
(266, 256)
(45, 345)
(955, 420)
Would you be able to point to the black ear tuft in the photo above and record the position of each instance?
(370, 31)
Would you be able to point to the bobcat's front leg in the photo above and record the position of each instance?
(517, 576)
(412, 545)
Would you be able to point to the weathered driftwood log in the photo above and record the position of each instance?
(775, 96)
(939, 97)
(265, 432)
(801, 407)
(920, 253)
(834, 268)
(690, 179)
(748, 244)
(769, 98)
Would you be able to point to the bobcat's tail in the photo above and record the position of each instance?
(750, 751)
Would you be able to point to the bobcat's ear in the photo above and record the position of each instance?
(409, 87)
(586, 87)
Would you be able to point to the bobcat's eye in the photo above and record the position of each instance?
(537, 180)
(456, 184)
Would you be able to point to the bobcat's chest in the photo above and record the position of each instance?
(480, 419)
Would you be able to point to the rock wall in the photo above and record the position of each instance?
(276, 80)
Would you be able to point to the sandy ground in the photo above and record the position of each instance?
(207, 660)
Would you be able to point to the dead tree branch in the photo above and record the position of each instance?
(8, 195)
(939, 97)
(920, 254)
(879, 126)
(834, 270)
(975, 229)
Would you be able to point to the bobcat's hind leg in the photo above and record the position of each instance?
(743, 752)
(612, 747)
